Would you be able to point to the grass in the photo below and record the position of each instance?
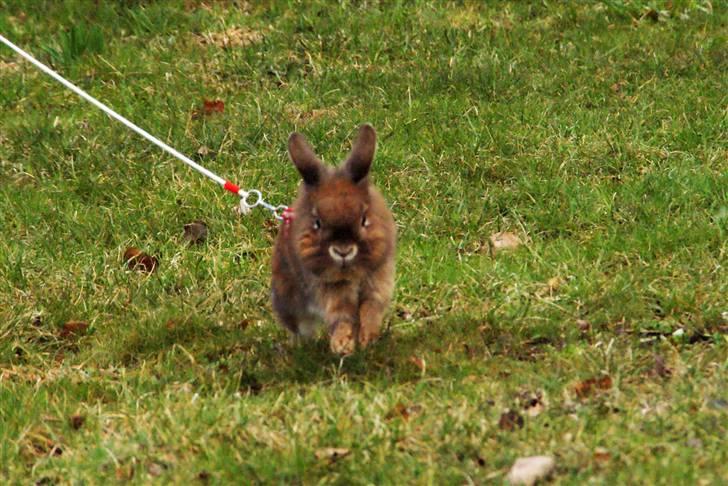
(596, 131)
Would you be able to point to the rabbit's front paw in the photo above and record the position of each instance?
(342, 340)
(368, 335)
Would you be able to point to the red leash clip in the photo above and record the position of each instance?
(287, 216)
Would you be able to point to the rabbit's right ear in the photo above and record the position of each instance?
(304, 159)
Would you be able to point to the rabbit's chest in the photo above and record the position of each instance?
(315, 311)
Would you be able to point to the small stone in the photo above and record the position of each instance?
(502, 241)
(718, 404)
(695, 443)
(583, 325)
(155, 469)
(528, 470)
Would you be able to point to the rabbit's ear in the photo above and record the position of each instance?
(362, 153)
(304, 159)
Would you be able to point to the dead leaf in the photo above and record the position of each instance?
(125, 473)
(652, 14)
(170, 324)
(510, 420)
(209, 107)
(601, 454)
(37, 443)
(532, 403)
(403, 411)
(528, 470)
(585, 388)
(331, 454)
(617, 87)
(73, 328)
(9, 67)
(503, 241)
(552, 285)
(77, 421)
(203, 151)
(195, 232)
(419, 363)
(660, 369)
(136, 259)
(404, 314)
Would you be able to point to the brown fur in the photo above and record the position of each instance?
(337, 213)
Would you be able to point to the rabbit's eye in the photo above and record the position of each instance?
(316, 224)
(364, 221)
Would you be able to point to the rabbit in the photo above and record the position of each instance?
(334, 260)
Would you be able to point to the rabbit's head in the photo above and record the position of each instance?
(342, 227)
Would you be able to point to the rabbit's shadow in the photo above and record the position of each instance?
(312, 362)
(404, 353)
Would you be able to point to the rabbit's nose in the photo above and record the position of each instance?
(343, 252)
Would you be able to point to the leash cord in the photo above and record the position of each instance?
(248, 199)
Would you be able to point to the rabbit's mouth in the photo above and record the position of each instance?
(343, 254)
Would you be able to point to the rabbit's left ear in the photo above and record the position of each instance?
(362, 153)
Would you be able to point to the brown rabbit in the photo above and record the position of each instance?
(334, 260)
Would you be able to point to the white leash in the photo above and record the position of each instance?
(245, 204)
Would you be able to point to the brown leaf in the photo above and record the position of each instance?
(510, 420)
(532, 403)
(73, 328)
(617, 87)
(503, 241)
(661, 369)
(37, 443)
(585, 388)
(9, 67)
(77, 421)
(602, 455)
(652, 14)
(419, 363)
(404, 411)
(331, 454)
(136, 259)
(209, 107)
(552, 285)
(195, 232)
(125, 473)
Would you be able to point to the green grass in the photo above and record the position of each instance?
(596, 131)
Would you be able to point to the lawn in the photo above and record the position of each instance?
(596, 132)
